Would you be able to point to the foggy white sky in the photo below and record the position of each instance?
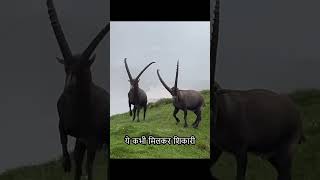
(164, 43)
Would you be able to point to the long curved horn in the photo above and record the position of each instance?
(127, 68)
(95, 42)
(176, 80)
(163, 83)
(144, 70)
(213, 60)
(63, 44)
(215, 39)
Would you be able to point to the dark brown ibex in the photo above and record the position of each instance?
(184, 100)
(83, 107)
(136, 96)
(256, 121)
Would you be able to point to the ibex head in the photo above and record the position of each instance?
(77, 67)
(134, 82)
(174, 90)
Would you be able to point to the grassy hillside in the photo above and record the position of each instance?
(306, 165)
(53, 171)
(160, 123)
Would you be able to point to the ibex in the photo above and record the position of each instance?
(136, 96)
(254, 121)
(83, 107)
(184, 100)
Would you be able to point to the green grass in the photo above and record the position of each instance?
(160, 123)
(306, 165)
(53, 171)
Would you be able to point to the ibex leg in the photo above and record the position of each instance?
(66, 162)
(79, 151)
(215, 155)
(198, 119)
(185, 118)
(176, 110)
(242, 160)
(282, 162)
(144, 112)
(138, 112)
(130, 112)
(134, 113)
(91, 153)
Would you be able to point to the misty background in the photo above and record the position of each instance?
(164, 43)
(270, 44)
(32, 79)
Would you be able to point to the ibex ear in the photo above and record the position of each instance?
(92, 59)
(61, 61)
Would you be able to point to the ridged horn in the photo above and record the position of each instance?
(215, 39)
(95, 42)
(163, 83)
(63, 44)
(176, 80)
(144, 70)
(127, 68)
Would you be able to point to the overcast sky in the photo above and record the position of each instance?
(32, 79)
(164, 43)
(271, 44)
